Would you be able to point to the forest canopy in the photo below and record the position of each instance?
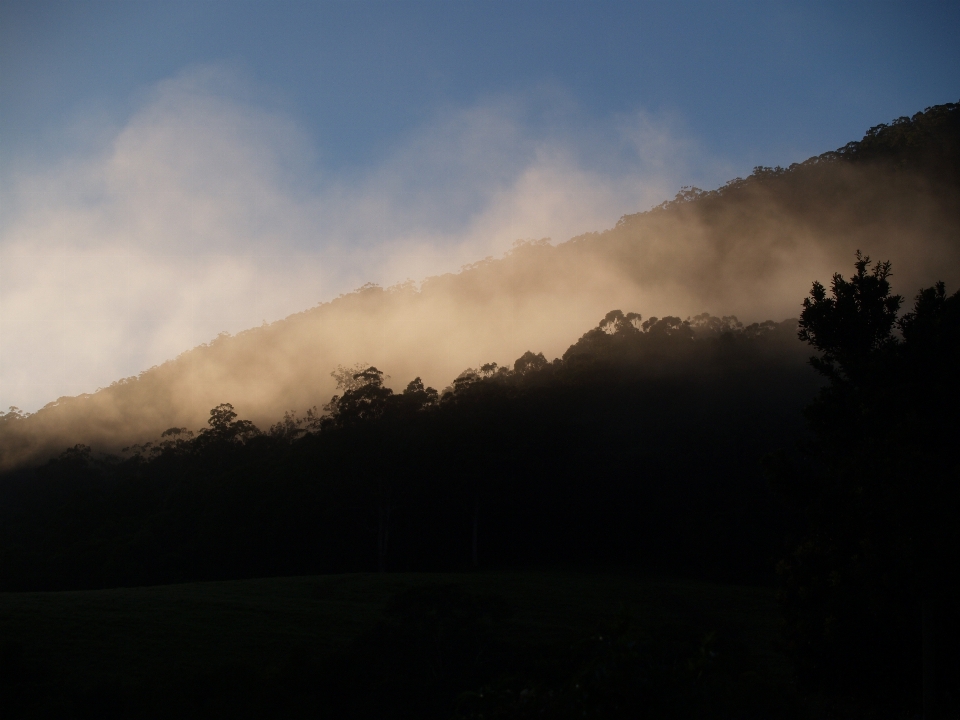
(748, 248)
(637, 417)
(650, 444)
(702, 447)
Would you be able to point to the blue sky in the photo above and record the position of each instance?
(170, 170)
(754, 82)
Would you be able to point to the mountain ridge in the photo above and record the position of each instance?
(748, 248)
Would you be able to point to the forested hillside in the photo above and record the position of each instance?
(642, 445)
(654, 446)
(749, 248)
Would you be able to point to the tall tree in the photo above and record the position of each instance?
(878, 491)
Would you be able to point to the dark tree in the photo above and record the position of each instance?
(878, 492)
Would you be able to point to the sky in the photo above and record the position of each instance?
(169, 171)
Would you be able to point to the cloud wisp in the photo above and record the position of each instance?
(206, 212)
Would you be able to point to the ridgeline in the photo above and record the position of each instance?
(748, 249)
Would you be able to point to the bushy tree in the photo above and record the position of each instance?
(878, 491)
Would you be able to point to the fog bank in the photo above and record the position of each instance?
(193, 223)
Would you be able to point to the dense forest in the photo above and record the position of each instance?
(669, 446)
(641, 445)
(702, 447)
(749, 248)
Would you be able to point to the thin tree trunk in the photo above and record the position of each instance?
(928, 635)
(476, 523)
(379, 539)
(386, 539)
(383, 537)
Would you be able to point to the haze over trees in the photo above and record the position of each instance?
(690, 445)
(639, 447)
(620, 451)
(746, 249)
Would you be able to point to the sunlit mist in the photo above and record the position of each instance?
(207, 220)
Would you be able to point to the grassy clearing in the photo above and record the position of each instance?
(395, 645)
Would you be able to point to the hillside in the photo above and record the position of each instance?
(642, 446)
(749, 248)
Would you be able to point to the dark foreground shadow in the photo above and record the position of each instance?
(441, 652)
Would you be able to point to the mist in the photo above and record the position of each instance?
(206, 212)
(208, 220)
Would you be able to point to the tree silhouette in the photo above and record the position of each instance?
(853, 327)
(878, 491)
(627, 451)
(365, 400)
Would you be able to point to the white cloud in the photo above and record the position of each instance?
(206, 213)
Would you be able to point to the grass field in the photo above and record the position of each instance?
(537, 644)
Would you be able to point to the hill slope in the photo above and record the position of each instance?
(749, 248)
